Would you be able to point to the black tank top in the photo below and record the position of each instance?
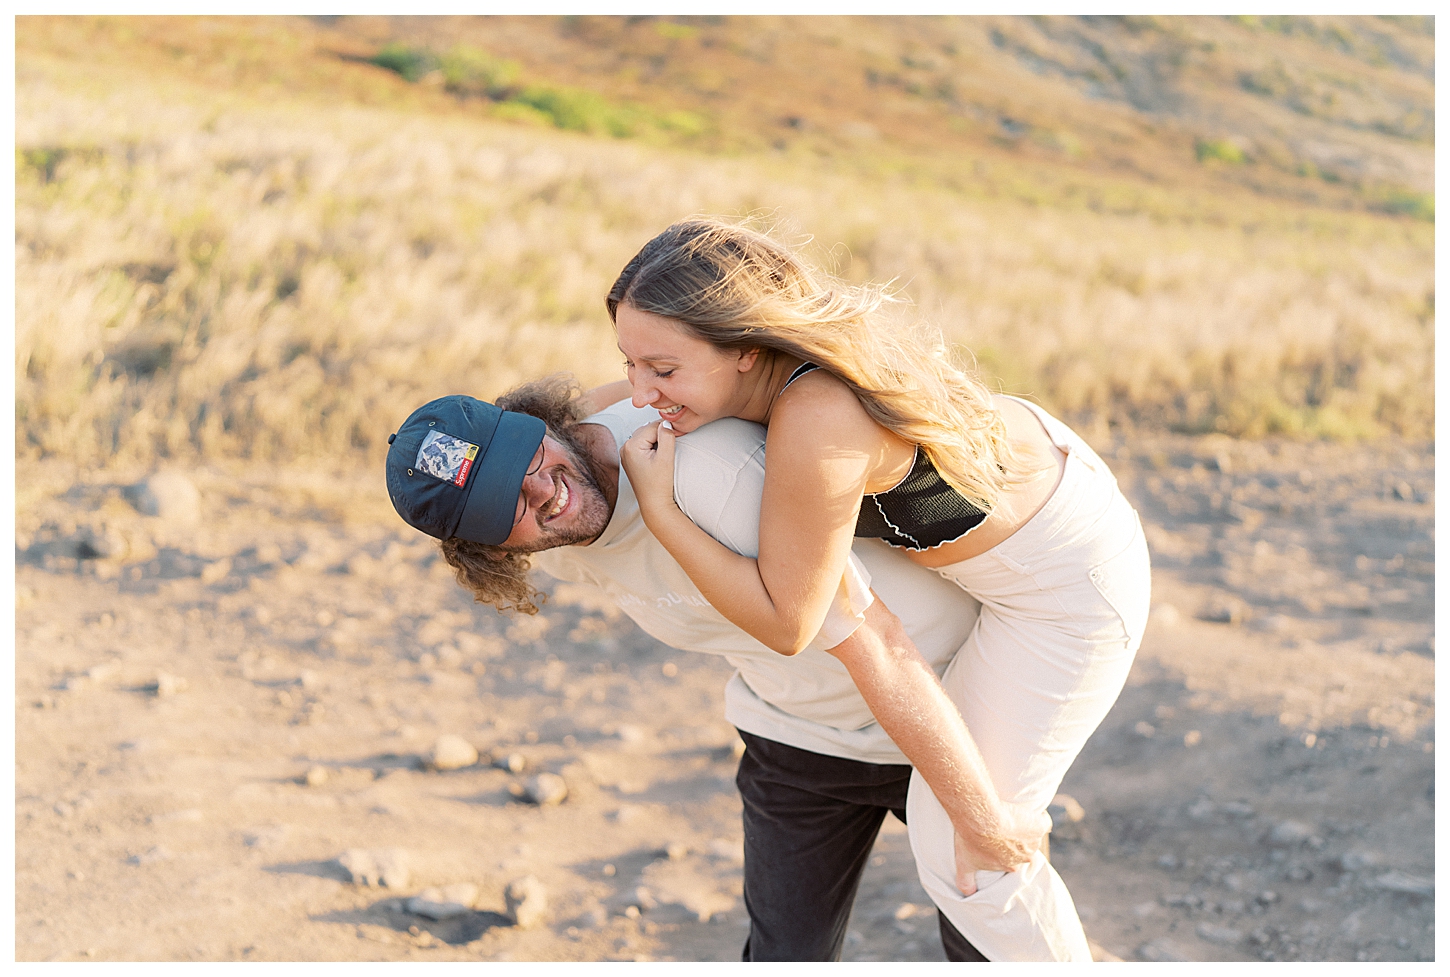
(920, 511)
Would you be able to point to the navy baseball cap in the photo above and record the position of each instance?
(456, 466)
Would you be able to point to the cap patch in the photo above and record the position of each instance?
(446, 457)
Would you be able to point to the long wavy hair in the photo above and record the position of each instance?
(493, 574)
(739, 289)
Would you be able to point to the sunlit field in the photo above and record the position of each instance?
(206, 273)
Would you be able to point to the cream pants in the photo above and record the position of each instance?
(1064, 605)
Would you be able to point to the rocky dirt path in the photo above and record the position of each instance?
(227, 717)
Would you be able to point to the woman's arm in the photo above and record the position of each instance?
(601, 397)
(909, 702)
(820, 450)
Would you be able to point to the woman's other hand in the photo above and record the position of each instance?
(648, 458)
(1019, 835)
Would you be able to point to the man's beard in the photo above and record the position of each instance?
(594, 510)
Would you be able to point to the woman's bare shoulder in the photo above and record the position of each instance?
(824, 419)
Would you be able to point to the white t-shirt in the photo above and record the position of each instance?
(807, 700)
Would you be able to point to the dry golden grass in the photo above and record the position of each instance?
(213, 272)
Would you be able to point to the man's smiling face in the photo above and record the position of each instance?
(560, 502)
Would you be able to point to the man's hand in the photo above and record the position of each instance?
(649, 460)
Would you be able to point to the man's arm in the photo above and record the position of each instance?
(909, 702)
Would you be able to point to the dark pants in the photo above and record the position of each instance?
(810, 822)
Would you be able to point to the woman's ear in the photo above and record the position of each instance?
(747, 360)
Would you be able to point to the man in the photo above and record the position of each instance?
(534, 476)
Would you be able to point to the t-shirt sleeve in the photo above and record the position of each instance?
(719, 479)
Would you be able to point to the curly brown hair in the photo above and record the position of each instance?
(493, 574)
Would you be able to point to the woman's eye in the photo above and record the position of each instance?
(664, 374)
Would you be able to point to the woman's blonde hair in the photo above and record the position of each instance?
(739, 289)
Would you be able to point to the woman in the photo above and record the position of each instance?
(873, 432)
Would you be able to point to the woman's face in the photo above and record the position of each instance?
(689, 381)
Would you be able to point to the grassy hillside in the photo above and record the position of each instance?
(269, 237)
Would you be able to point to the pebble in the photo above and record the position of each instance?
(630, 733)
(1397, 881)
(169, 495)
(157, 854)
(101, 543)
(1237, 809)
(103, 672)
(1161, 950)
(1290, 832)
(676, 850)
(452, 753)
(1145, 729)
(1356, 859)
(513, 763)
(316, 776)
(374, 867)
(444, 902)
(1225, 935)
(527, 902)
(1064, 809)
(1165, 615)
(168, 684)
(546, 789)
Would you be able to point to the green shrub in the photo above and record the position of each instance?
(410, 62)
(1397, 200)
(469, 72)
(1219, 149)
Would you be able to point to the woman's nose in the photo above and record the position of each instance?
(644, 395)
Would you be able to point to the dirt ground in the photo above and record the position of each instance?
(210, 715)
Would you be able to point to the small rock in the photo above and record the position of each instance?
(905, 911)
(1290, 833)
(271, 836)
(156, 854)
(1236, 809)
(1225, 610)
(631, 734)
(309, 680)
(216, 570)
(444, 902)
(527, 902)
(374, 867)
(1397, 881)
(1161, 950)
(676, 850)
(452, 753)
(513, 763)
(169, 495)
(643, 898)
(546, 789)
(1168, 861)
(1357, 859)
(316, 776)
(1145, 729)
(1192, 738)
(1165, 615)
(1223, 935)
(168, 684)
(100, 543)
(1065, 809)
(103, 672)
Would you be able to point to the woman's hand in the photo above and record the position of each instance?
(1019, 836)
(648, 458)
(966, 866)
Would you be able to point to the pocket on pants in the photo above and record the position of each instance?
(1124, 582)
